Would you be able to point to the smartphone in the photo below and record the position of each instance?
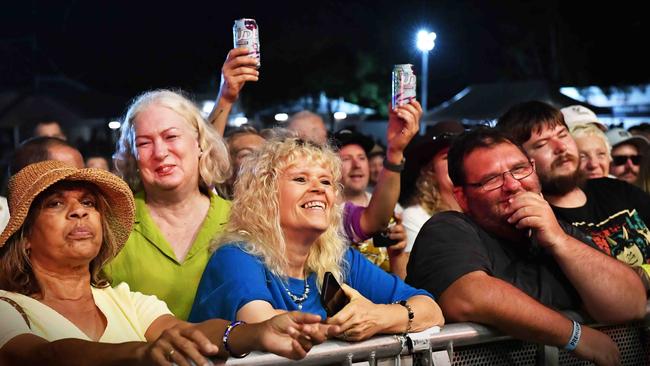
(381, 239)
(332, 297)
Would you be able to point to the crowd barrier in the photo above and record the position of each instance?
(462, 344)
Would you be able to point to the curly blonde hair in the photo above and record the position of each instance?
(214, 162)
(427, 193)
(255, 214)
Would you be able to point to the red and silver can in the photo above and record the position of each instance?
(246, 34)
(403, 85)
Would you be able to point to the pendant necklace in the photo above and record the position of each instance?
(298, 299)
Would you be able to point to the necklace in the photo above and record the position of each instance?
(298, 299)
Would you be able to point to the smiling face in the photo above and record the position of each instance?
(556, 158)
(306, 197)
(490, 209)
(355, 169)
(67, 228)
(627, 171)
(167, 150)
(594, 156)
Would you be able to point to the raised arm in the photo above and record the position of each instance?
(403, 124)
(478, 297)
(236, 71)
(610, 290)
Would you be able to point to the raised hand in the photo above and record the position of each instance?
(236, 71)
(403, 124)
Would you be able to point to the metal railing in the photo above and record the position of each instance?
(461, 344)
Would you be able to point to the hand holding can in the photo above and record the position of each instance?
(246, 34)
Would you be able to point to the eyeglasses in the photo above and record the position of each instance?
(497, 181)
(622, 159)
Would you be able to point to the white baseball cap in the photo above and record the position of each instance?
(575, 115)
(617, 136)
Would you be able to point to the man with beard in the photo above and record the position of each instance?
(613, 213)
(507, 262)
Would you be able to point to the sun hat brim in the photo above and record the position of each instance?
(32, 180)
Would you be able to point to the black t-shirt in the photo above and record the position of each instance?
(615, 218)
(451, 245)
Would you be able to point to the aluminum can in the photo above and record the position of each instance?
(403, 85)
(246, 34)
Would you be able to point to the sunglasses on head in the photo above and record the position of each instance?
(622, 159)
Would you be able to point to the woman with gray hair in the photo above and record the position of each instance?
(594, 150)
(171, 159)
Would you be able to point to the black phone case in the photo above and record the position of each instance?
(382, 240)
(332, 297)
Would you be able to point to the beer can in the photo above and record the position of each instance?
(403, 85)
(246, 34)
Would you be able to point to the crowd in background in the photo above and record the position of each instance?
(198, 240)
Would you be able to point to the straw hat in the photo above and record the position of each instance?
(33, 179)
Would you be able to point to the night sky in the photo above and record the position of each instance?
(125, 47)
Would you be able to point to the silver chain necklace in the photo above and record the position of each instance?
(298, 299)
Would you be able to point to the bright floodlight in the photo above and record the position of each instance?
(281, 117)
(208, 106)
(114, 125)
(240, 121)
(340, 115)
(425, 40)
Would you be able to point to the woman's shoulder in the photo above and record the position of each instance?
(233, 253)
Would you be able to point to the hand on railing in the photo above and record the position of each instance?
(598, 348)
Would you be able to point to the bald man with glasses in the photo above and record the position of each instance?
(507, 262)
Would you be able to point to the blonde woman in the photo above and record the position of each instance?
(594, 150)
(284, 234)
(171, 159)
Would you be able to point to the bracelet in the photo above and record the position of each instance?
(397, 168)
(410, 314)
(226, 334)
(575, 337)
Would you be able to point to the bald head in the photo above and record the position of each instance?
(43, 148)
(309, 126)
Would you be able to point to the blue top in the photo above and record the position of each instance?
(234, 278)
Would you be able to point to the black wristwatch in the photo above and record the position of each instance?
(397, 168)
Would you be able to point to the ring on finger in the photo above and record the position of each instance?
(170, 354)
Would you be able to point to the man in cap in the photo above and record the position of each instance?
(627, 151)
(376, 162)
(613, 213)
(425, 185)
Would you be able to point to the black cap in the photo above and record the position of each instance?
(420, 152)
(348, 137)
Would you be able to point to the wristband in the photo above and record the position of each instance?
(411, 315)
(575, 337)
(226, 335)
(397, 168)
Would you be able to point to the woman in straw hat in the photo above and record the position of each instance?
(171, 159)
(55, 306)
(284, 234)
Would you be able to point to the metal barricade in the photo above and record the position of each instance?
(461, 344)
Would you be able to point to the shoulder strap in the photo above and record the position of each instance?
(18, 308)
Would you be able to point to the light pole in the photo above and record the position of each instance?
(425, 43)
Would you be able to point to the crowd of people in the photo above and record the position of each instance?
(199, 241)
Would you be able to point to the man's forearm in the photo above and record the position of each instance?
(384, 198)
(610, 290)
(218, 118)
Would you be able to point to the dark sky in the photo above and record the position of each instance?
(125, 47)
